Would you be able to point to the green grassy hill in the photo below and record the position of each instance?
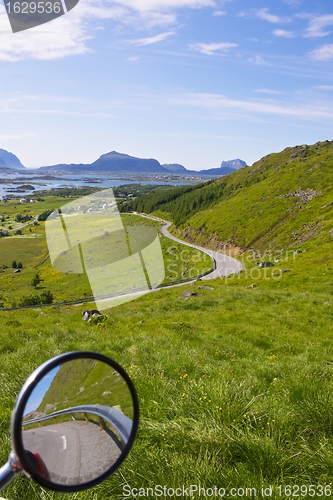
(281, 204)
(86, 382)
(260, 206)
(285, 199)
(235, 380)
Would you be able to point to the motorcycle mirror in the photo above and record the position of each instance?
(74, 422)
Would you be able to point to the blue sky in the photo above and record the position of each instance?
(187, 81)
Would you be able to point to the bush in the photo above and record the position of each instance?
(35, 300)
(46, 297)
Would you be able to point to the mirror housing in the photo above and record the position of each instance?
(67, 403)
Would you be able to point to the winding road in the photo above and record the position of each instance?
(224, 265)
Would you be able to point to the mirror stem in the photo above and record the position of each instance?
(9, 471)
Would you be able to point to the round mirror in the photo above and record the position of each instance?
(75, 421)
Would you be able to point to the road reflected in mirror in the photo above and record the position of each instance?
(77, 421)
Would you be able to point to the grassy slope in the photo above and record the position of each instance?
(235, 384)
(259, 214)
(86, 382)
(283, 203)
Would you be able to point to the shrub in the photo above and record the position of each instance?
(35, 300)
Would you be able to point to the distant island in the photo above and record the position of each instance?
(115, 162)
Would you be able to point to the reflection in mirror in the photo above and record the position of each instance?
(77, 421)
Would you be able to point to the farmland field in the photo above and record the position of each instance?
(66, 281)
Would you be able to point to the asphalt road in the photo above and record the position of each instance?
(224, 265)
(74, 452)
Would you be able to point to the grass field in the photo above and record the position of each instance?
(65, 280)
(235, 383)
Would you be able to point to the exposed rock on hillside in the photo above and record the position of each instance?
(304, 195)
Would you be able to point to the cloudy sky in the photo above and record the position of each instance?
(183, 81)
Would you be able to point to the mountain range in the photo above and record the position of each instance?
(9, 160)
(122, 163)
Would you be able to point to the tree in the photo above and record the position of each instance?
(36, 280)
(43, 216)
(14, 264)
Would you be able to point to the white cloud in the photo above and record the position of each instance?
(269, 91)
(293, 3)
(153, 39)
(210, 49)
(15, 137)
(162, 5)
(258, 61)
(69, 34)
(317, 25)
(324, 53)
(221, 104)
(69, 38)
(264, 15)
(283, 33)
(219, 13)
(323, 87)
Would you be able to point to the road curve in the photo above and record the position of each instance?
(224, 265)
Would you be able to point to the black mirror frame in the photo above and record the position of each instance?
(28, 387)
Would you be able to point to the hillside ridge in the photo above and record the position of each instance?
(283, 200)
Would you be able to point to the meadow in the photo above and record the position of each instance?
(65, 279)
(234, 381)
(234, 384)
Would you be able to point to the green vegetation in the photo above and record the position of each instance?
(177, 202)
(35, 300)
(235, 385)
(280, 205)
(66, 281)
(83, 382)
(35, 280)
(235, 381)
